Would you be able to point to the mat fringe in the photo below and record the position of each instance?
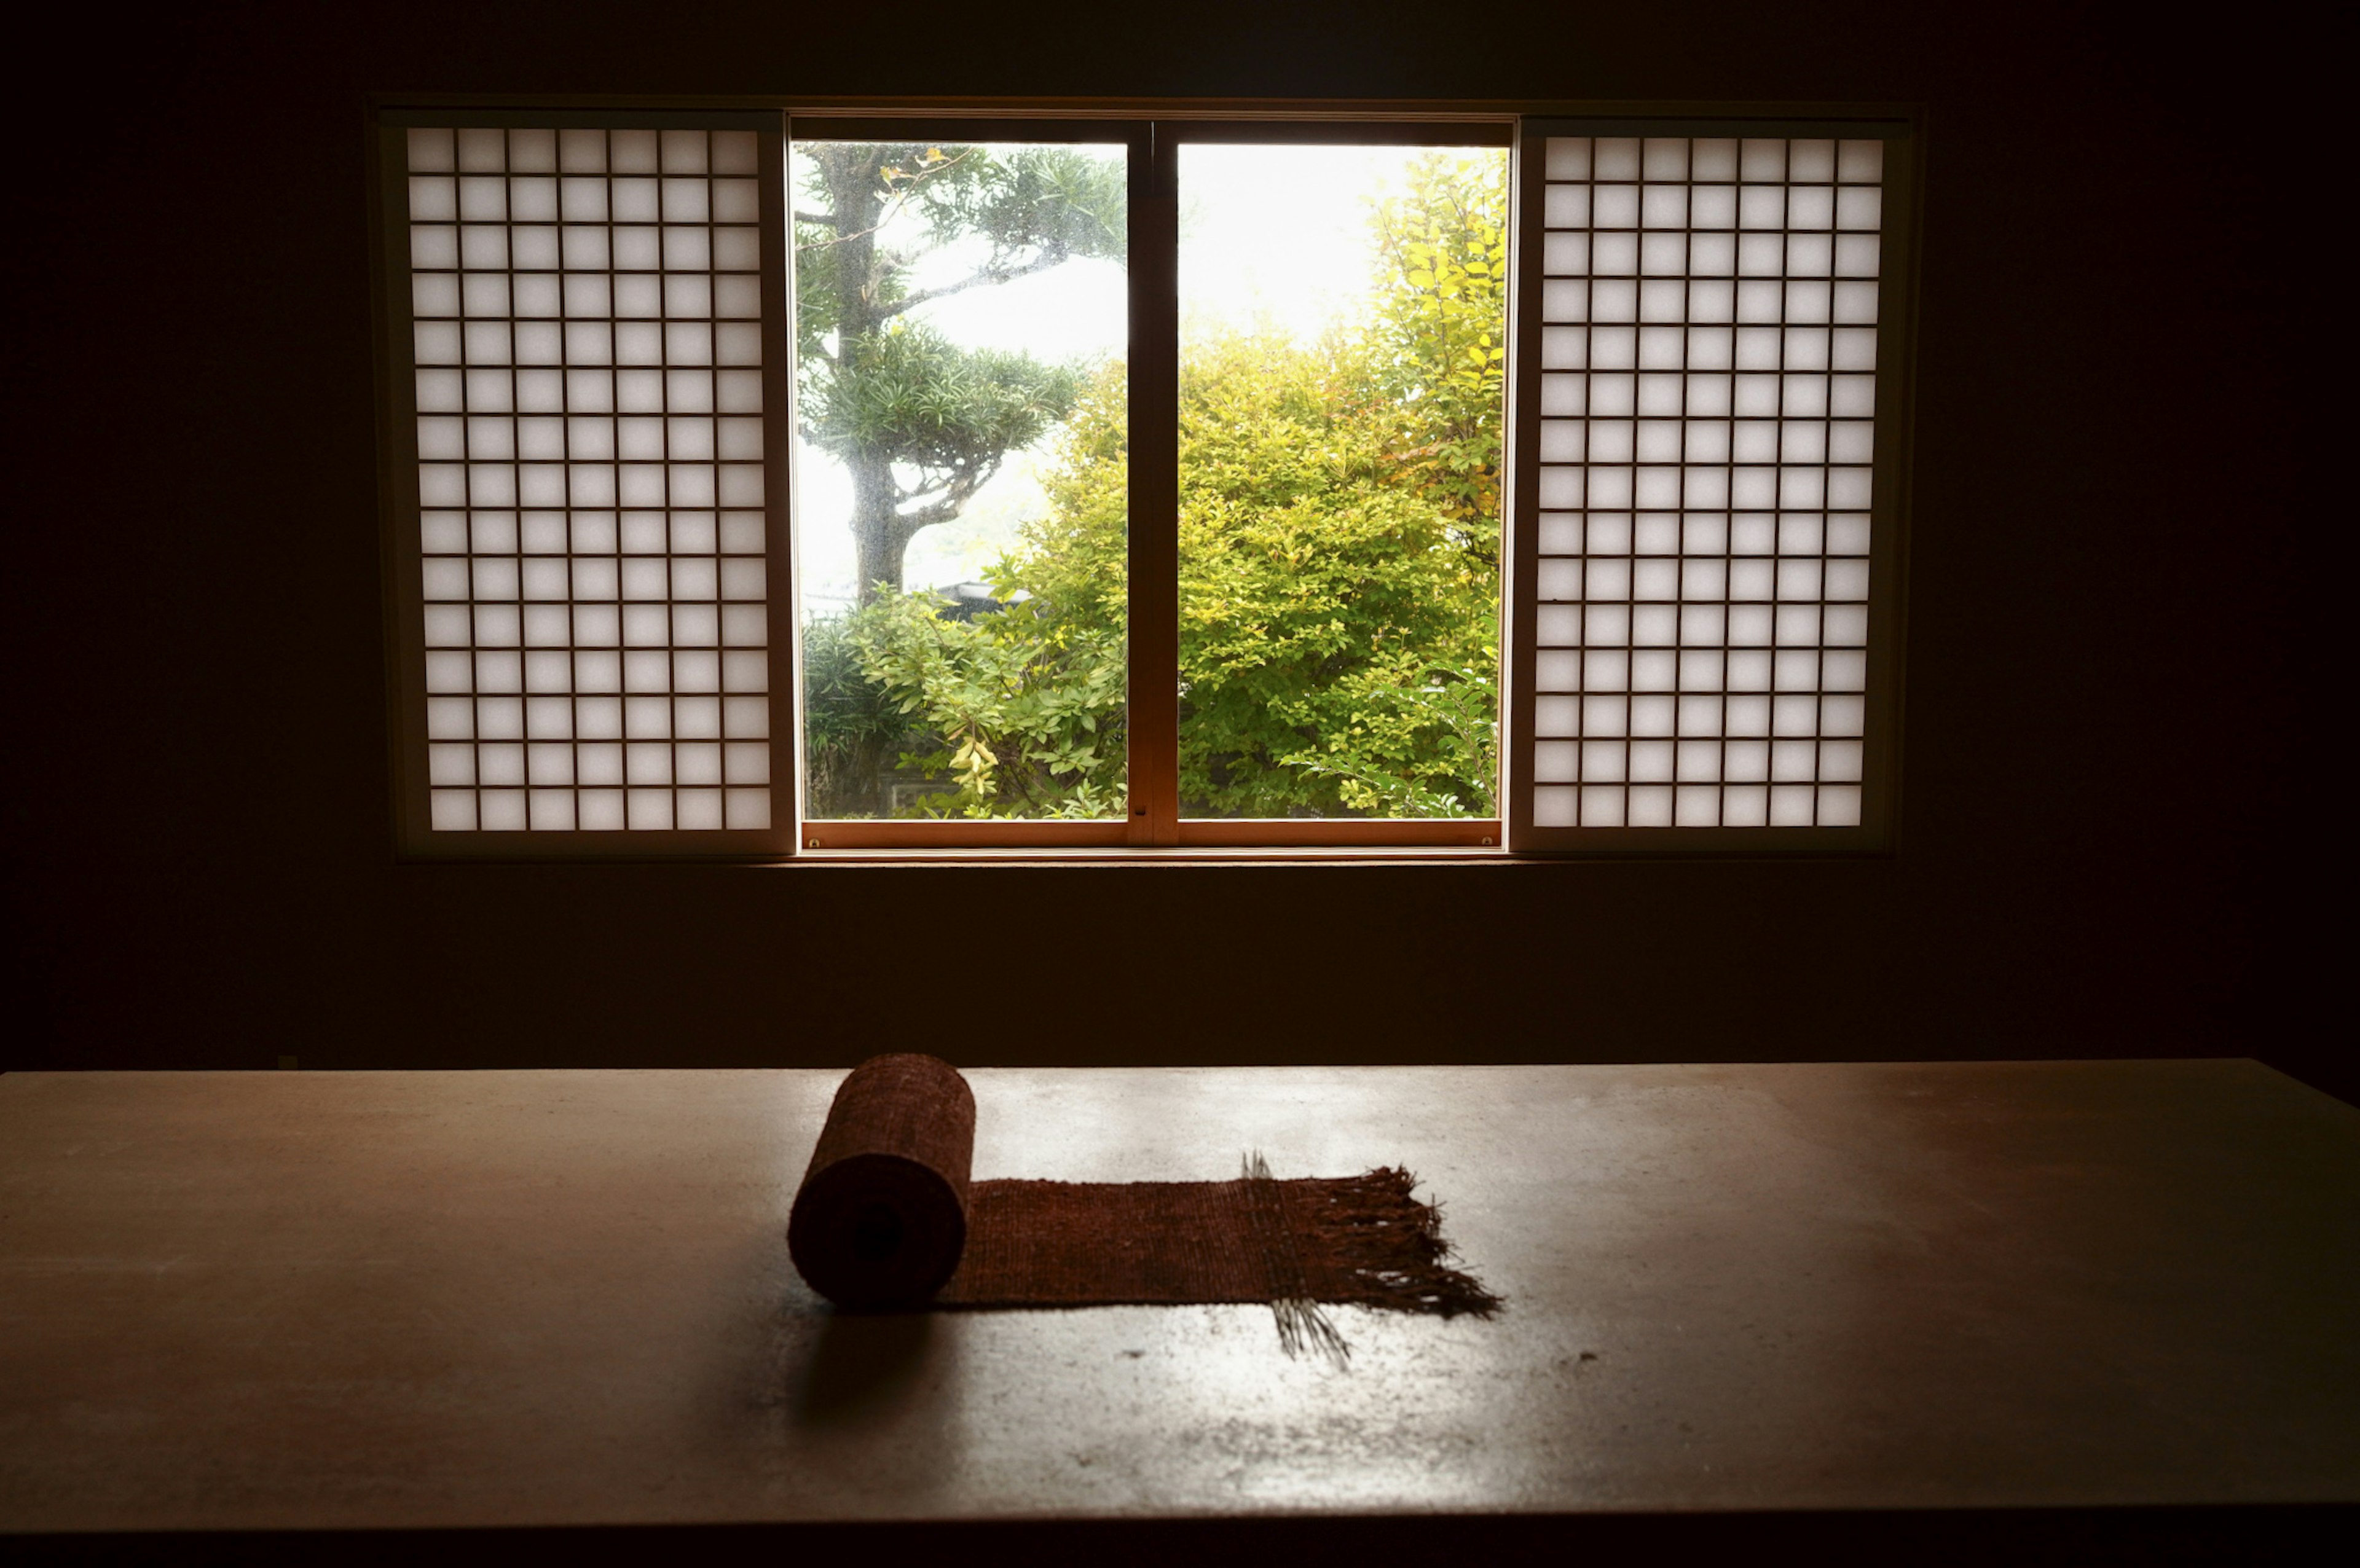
(1360, 1228)
(1303, 1329)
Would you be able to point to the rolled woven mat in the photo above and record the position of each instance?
(887, 1218)
(881, 1219)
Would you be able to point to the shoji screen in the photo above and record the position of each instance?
(586, 394)
(1707, 555)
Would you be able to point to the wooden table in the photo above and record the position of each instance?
(305, 1300)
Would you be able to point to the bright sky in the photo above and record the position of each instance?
(1271, 236)
(1277, 235)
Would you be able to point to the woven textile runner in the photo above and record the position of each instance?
(1358, 1240)
(888, 1217)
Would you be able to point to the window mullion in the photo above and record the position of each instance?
(777, 446)
(1154, 492)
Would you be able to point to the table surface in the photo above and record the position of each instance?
(366, 1299)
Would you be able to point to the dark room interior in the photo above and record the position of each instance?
(2112, 535)
(2117, 542)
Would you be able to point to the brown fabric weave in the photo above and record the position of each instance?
(886, 1211)
(1353, 1240)
(881, 1218)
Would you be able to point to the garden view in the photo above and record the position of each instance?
(964, 415)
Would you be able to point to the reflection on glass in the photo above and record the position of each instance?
(1342, 359)
(961, 316)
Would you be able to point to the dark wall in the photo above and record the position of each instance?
(2111, 526)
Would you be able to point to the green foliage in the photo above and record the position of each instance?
(1457, 710)
(1441, 338)
(1022, 708)
(852, 726)
(1026, 725)
(1074, 560)
(935, 406)
(1317, 593)
(1046, 202)
(1339, 565)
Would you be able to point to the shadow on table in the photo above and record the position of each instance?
(865, 1364)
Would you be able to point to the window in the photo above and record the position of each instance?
(1703, 537)
(758, 485)
(585, 521)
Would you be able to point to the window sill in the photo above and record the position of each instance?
(1171, 855)
(1122, 837)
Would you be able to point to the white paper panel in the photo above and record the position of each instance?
(1709, 386)
(587, 301)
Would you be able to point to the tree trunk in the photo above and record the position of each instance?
(879, 538)
(853, 782)
(856, 205)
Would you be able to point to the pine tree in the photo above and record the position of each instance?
(919, 423)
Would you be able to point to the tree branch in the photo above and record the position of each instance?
(992, 274)
(898, 197)
(955, 492)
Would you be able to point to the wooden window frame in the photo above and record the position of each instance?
(1154, 129)
(1152, 725)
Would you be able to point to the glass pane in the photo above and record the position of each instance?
(1342, 358)
(962, 317)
